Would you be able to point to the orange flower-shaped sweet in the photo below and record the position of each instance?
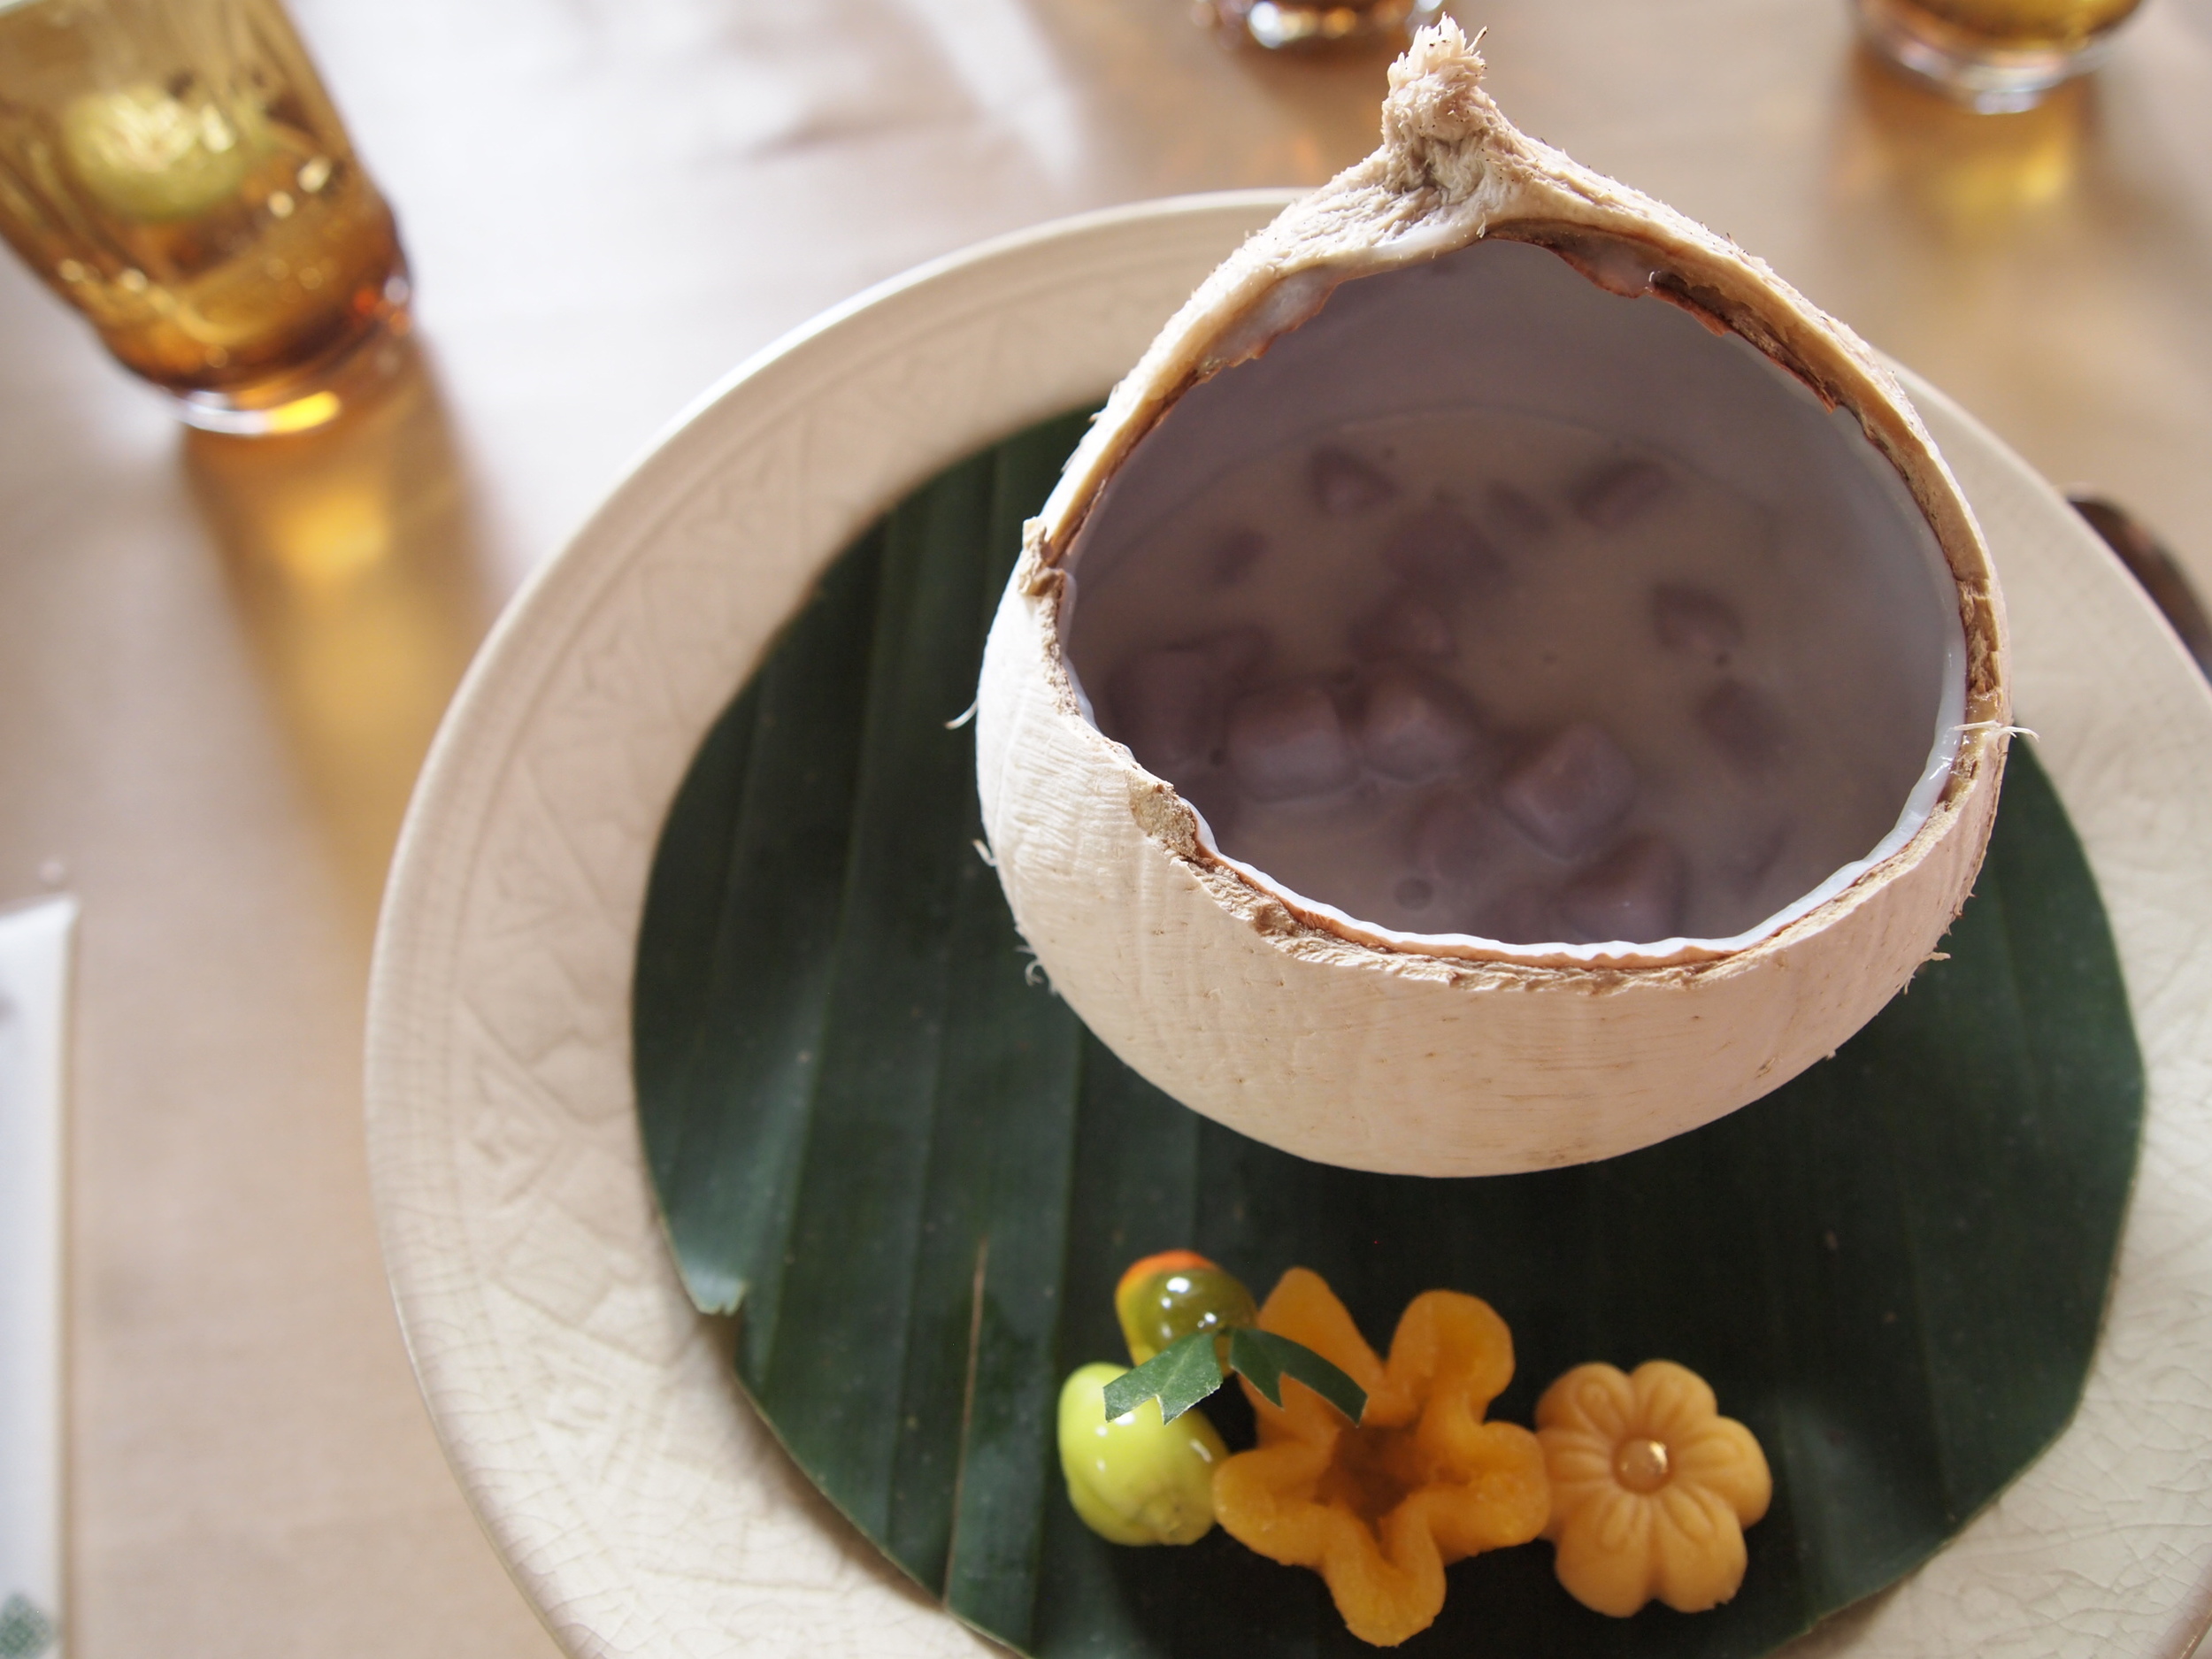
(1381, 1509)
(1651, 1488)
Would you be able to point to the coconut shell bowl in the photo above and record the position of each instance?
(760, 1113)
(1620, 687)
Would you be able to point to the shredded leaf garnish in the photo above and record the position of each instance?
(1179, 1376)
(1266, 1359)
(1186, 1371)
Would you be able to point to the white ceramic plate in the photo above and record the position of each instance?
(591, 1415)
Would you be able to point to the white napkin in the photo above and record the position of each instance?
(33, 1004)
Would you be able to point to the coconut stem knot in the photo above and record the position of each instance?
(1437, 115)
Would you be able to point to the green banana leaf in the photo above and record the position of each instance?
(880, 1140)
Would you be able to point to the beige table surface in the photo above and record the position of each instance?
(220, 664)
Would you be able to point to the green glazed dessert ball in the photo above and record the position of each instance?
(1164, 1298)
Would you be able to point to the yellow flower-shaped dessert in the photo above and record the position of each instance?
(1651, 1488)
(1379, 1510)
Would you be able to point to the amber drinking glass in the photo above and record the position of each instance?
(1300, 25)
(174, 169)
(1995, 55)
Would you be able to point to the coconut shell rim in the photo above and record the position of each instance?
(1530, 193)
